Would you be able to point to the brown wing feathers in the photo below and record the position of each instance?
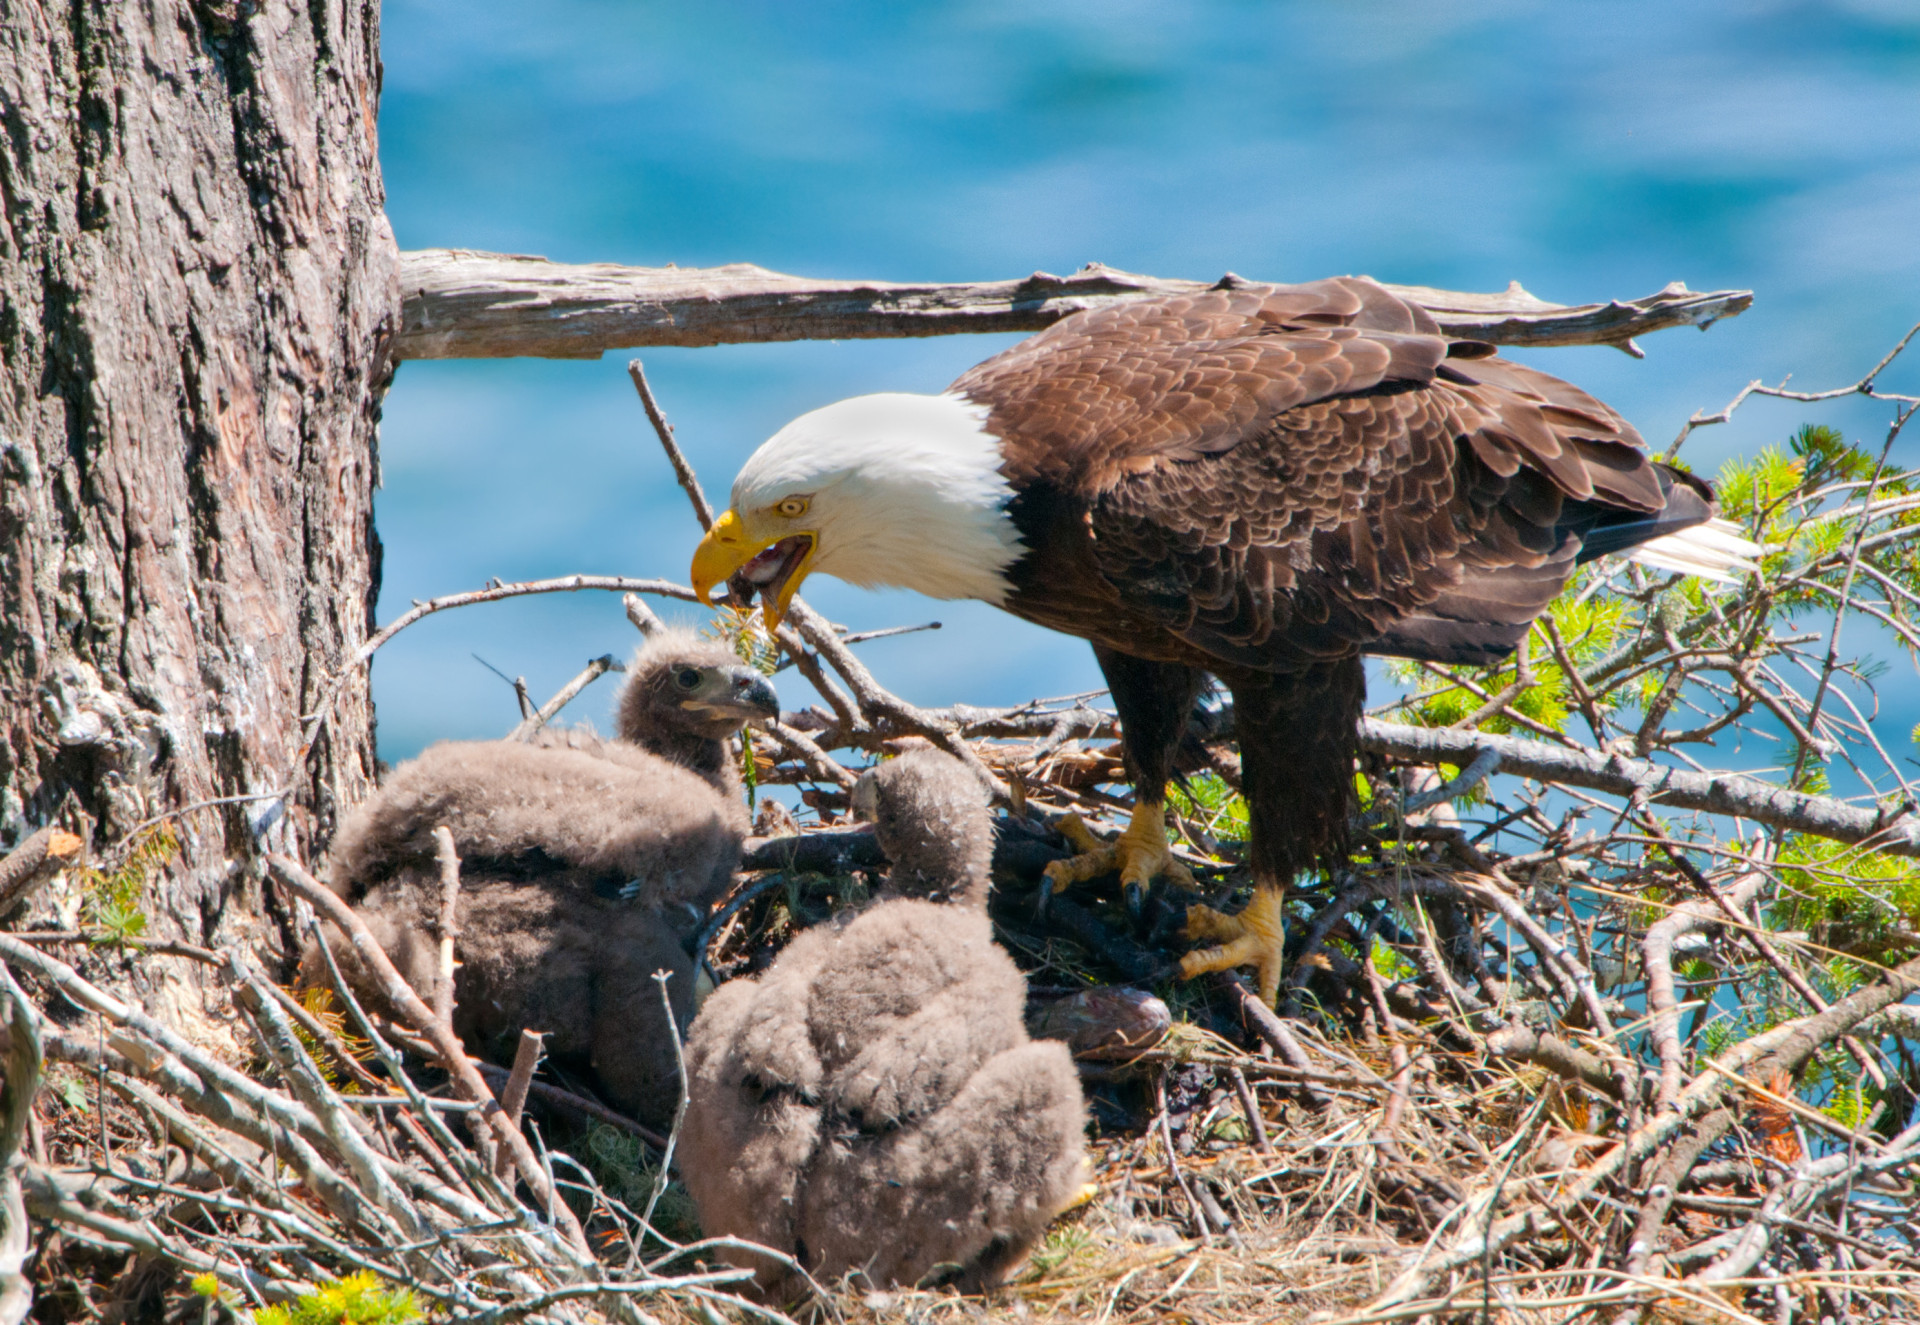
(1278, 473)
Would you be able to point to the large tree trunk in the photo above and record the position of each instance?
(197, 289)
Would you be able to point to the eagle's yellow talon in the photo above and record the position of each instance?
(1078, 835)
(1256, 938)
(1140, 853)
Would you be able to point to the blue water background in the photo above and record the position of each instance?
(1586, 150)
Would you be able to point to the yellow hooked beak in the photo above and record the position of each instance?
(775, 564)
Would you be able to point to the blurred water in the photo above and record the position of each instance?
(1587, 151)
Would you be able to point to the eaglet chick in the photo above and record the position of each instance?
(873, 1103)
(583, 863)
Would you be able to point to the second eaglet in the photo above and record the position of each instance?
(584, 864)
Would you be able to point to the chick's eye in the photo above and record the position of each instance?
(687, 678)
(791, 507)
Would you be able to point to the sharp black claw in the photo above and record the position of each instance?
(1136, 901)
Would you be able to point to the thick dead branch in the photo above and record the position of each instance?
(1716, 793)
(1544, 1049)
(1656, 955)
(461, 304)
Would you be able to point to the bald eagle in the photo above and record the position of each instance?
(1258, 483)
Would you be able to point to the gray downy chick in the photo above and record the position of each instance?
(873, 1103)
(584, 861)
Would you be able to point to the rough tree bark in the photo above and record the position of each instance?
(197, 289)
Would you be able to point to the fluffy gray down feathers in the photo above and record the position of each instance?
(584, 861)
(873, 1103)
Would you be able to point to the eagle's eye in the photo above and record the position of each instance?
(791, 507)
(687, 678)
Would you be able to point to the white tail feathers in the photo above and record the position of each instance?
(1713, 551)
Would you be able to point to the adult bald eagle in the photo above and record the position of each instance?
(1257, 482)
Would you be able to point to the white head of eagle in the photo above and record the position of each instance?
(889, 489)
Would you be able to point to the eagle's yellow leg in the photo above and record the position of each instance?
(1140, 854)
(1252, 938)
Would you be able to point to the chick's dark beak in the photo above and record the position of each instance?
(746, 693)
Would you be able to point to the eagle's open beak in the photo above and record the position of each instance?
(775, 566)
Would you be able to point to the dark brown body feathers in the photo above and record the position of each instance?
(1263, 482)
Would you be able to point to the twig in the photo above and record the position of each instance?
(449, 926)
(1832, 660)
(1656, 957)
(863, 636)
(661, 978)
(702, 509)
(822, 765)
(1864, 387)
(440, 1033)
(316, 721)
(1260, 1018)
(1731, 910)
(1250, 1106)
(1203, 1226)
(579, 1105)
(567, 693)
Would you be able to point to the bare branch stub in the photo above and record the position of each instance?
(513, 1097)
(38, 858)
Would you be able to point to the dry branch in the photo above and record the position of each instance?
(1550, 1051)
(440, 1034)
(513, 1097)
(1656, 949)
(23, 1067)
(448, 859)
(1716, 793)
(682, 470)
(564, 696)
(35, 860)
(461, 304)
